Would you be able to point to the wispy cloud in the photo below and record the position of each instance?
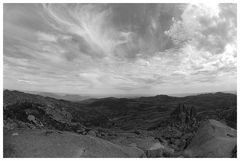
(120, 48)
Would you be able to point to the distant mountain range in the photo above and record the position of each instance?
(69, 97)
(81, 97)
(126, 113)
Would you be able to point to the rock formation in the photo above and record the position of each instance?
(185, 115)
(213, 139)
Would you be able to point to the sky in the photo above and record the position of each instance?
(109, 49)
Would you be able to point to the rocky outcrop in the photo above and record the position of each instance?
(18, 105)
(213, 139)
(229, 115)
(56, 144)
(179, 129)
(185, 115)
(35, 115)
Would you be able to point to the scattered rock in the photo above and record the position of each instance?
(15, 134)
(159, 150)
(32, 118)
(171, 132)
(155, 153)
(133, 145)
(81, 131)
(92, 133)
(9, 124)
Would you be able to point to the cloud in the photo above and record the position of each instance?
(206, 27)
(89, 25)
(119, 48)
(46, 37)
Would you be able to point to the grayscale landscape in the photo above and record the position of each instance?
(120, 80)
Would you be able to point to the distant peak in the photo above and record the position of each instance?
(162, 95)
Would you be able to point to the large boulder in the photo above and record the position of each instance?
(152, 147)
(158, 150)
(213, 139)
(143, 143)
(56, 144)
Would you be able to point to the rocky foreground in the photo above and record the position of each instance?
(37, 126)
